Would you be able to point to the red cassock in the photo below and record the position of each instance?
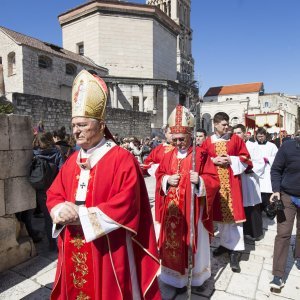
(228, 205)
(157, 154)
(155, 157)
(100, 269)
(175, 222)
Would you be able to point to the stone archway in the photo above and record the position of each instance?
(206, 122)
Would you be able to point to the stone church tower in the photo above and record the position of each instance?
(179, 11)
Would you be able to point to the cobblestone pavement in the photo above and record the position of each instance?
(33, 279)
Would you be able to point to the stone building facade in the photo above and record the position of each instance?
(180, 12)
(31, 66)
(138, 44)
(250, 100)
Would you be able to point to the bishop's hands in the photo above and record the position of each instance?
(65, 213)
(173, 180)
(194, 177)
(222, 161)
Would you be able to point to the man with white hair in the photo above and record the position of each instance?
(100, 208)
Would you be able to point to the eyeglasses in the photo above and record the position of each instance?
(181, 139)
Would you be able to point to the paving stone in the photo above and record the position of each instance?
(41, 293)
(242, 284)
(252, 258)
(261, 296)
(269, 224)
(47, 278)
(268, 239)
(264, 251)
(250, 268)
(264, 280)
(220, 295)
(267, 267)
(13, 286)
(193, 297)
(222, 278)
(35, 267)
(291, 289)
(167, 291)
(207, 289)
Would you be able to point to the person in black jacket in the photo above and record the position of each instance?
(285, 178)
(59, 138)
(44, 147)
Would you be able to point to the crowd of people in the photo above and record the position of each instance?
(97, 211)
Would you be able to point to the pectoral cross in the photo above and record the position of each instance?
(82, 185)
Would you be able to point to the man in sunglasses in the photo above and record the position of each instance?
(174, 179)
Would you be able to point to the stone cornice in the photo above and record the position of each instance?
(119, 8)
(140, 81)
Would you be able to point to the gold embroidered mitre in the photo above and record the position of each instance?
(89, 96)
(181, 120)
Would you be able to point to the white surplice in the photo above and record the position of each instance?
(268, 151)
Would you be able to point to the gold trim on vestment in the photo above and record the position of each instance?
(113, 267)
(80, 266)
(82, 296)
(155, 258)
(77, 241)
(225, 188)
(98, 231)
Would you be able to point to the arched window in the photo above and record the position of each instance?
(45, 62)
(207, 122)
(234, 121)
(71, 69)
(11, 59)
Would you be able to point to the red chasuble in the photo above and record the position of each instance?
(100, 269)
(155, 157)
(157, 154)
(175, 223)
(228, 205)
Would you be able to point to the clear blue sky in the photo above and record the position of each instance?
(234, 41)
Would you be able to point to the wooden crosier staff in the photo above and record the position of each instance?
(192, 229)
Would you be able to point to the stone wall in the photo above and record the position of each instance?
(56, 113)
(16, 194)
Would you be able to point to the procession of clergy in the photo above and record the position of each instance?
(109, 245)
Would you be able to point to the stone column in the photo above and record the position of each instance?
(115, 102)
(155, 92)
(2, 86)
(165, 105)
(141, 98)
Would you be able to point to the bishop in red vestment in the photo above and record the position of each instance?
(101, 212)
(151, 164)
(231, 157)
(174, 178)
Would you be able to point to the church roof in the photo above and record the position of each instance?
(118, 8)
(254, 87)
(23, 39)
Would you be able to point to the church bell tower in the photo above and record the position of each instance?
(179, 11)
